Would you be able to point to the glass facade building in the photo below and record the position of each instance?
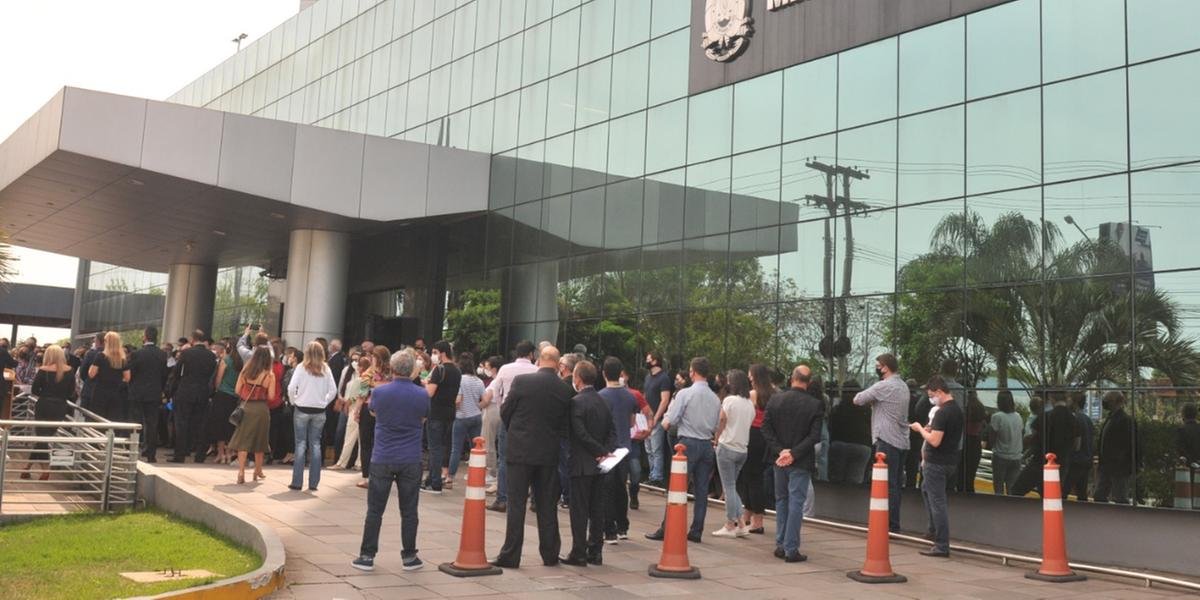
(984, 189)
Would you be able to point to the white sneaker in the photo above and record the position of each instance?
(491, 489)
(725, 533)
(741, 531)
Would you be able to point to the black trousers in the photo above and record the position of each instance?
(147, 415)
(616, 498)
(587, 516)
(366, 440)
(544, 480)
(282, 434)
(189, 422)
(1077, 482)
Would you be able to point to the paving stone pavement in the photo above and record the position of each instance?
(321, 533)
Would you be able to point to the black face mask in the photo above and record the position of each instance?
(879, 373)
(649, 364)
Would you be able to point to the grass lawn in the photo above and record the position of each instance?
(82, 556)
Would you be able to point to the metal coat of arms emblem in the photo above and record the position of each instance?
(726, 27)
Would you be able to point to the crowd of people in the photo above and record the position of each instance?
(553, 421)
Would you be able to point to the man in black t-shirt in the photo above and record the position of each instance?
(657, 389)
(443, 385)
(943, 437)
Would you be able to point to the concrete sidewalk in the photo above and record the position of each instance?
(322, 530)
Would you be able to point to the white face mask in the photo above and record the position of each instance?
(435, 357)
(420, 365)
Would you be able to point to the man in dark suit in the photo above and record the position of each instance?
(195, 369)
(593, 437)
(535, 413)
(1118, 436)
(147, 378)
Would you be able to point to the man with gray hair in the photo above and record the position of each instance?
(400, 408)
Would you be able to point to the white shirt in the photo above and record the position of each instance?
(312, 391)
(739, 415)
(502, 384)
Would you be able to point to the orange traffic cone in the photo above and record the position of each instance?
(1054, 539)
(471, 561)
(673, 562)
(878, 567)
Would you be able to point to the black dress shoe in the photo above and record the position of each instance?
(935, 553)
(595, 560)
(574, 561)
(176, 460)
(149, 459)
(503, 564)
(779, 552)
(633, 504)
(550, 563)
(694, 538)
(655, 535)
(795, 557)
(758, 530)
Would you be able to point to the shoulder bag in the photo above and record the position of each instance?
(239, 413)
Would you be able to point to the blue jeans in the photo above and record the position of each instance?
(464, 430)
(654, 452)
(933, 490)
(895, 467)
(791, 490)
(729, 464)
(308, 430)
(435, 436)
(700, 463)
(501, 466)
(407, 478)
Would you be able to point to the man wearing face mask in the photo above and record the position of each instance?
(888, 398)
(940, 458)
(592, 439)
(444, 382)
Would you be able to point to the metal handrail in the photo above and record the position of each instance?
(104, 466)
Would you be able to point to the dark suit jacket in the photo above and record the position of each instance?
(535, 413)
(196, 367)
(793, 422)
(592, 432)
(1116, 444)
(147, 374)
(336, 363)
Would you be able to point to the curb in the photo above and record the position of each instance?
(160, 489)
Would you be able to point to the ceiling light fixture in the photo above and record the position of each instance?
(136, 181)
(219, 232)
(278, 215)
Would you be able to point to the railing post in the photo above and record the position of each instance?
(3, 462)
(108, 464)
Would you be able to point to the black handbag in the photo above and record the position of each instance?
(239, 413)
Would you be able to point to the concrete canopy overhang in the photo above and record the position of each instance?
(146, 184)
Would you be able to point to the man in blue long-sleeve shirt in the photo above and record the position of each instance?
(888, 398)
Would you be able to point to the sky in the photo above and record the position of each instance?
(144, 48)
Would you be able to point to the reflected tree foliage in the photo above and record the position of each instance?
(1077, 329)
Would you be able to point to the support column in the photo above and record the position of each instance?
(191, 291)
(81, 288)
(318, 267)
(529, 303)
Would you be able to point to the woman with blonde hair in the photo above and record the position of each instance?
(108, 373)
(54, 385)
(311, 390)
(255, 386)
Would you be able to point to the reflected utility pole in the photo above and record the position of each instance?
(839, 346)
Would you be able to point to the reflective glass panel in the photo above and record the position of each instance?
(632, 23)
(1002, 48)
(564, 48)
(1004, 142)
(705, 282)
(663, 217)
(622, 214)
(866, 252)
(533, 113)
(931, 66)
(806, 260)
(536, 54)
(665, 132)
(1001, 237)
(753, 268)
(1164, 111)
(931, 156)
(710, 119)
(810, 95)
(1086, 227)
(1162, 27)
(505, 130)
(1081, 36)
(867, 83)
(806, 177)
(755, 189)
(669, 15)
(591, 156)
(1166, 204)
(630, 74)
(669, 67)
(560, 113)
(560, 156)
(587, 218)
(1085, 127)
(929, 249)
(706, 207)
(627, 146)
(594, 88)
(596, 35)
(867, 160)
(757, 106)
